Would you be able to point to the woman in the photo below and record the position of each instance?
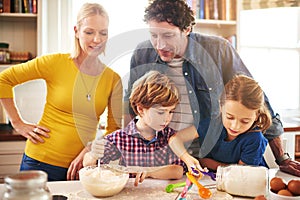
(79, 88)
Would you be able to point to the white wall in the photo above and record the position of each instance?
(270, 47)
(55, 26)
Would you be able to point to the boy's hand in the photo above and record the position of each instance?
(139, 178)
(97, 149)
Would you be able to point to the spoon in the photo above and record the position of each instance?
(202, 191)
(99, 136)
(171, 187)
(99, 167)
(187, 187)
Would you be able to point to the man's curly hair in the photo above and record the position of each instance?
(175, 12)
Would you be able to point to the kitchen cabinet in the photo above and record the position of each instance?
(23, 33)
(11, 153)
(20, 31)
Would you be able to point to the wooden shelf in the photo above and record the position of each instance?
(216, 27)
(18, 17)
(223, 24)
(215, 23)
(19, 30)
(30, 15)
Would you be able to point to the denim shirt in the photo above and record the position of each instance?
(209, 63)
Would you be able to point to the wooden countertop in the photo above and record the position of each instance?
(150, 189)
(291, 128)
(7, 133)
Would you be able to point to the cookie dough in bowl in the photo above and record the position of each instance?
(102, 183)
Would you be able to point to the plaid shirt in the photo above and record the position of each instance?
(134, 150)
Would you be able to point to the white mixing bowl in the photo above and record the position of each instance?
(102, 183)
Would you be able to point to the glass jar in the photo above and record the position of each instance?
(27, 185)
(4, 53)
(242, 180)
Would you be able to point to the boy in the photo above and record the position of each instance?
(144, 141)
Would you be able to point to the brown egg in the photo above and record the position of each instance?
(285, 192)
(260, 197)
(277, 184)
(294, 187)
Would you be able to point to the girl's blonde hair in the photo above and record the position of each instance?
(153, 88)
(247, 91)
(86, 10)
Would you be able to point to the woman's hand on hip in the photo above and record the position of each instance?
(35, 133)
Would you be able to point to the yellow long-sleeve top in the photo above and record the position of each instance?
(71, 118)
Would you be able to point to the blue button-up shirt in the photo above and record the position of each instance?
(209, 63)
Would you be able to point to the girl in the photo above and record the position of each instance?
(245, 117)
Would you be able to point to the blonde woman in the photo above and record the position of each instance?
(79, 88)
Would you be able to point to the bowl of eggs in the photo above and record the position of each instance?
(102, 182)
(280, 190)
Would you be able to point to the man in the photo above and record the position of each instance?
(200, 65)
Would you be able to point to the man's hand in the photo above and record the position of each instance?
(288, 165)
(291, 167)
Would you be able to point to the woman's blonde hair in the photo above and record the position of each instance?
(86, 10)
(153, 88)
(247, 91)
